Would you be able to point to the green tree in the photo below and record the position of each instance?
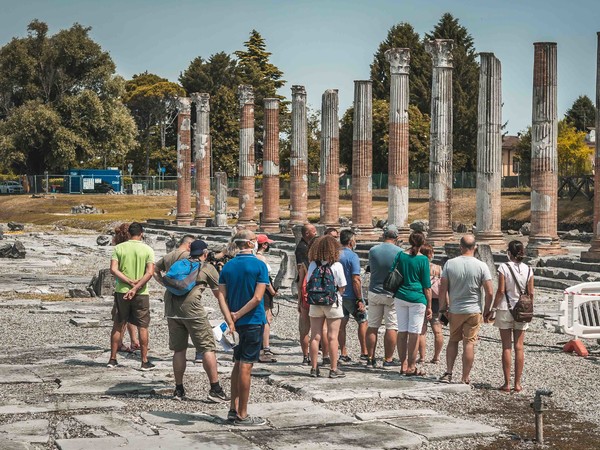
(403, 35)
(523, 153)
(151, 100)
(574, 155)
(418, 140)
(582, 113)
(465, 90)
(60, 103)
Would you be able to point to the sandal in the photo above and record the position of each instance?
(415, 373)
(504, 388)
(135, 347)
(124, 348)
(435, 361)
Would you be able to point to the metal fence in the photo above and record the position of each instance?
(147, 184)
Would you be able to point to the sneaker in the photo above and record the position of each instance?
(179, 394)
(198, 358)
(371, 363)
(250, 421)
(112, 363)
(391, 364)
(306, 361)
(146, 366)
(314, 373)
(446, 378)
(344, 358)
(326, 361)
(231, 415)
(364, 357)
(218, 396)
(336, 374)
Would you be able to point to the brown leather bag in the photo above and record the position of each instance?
(523, 310)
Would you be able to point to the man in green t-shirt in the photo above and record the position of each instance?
(132, 264)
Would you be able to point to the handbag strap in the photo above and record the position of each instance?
(396, 261)
(517, 282)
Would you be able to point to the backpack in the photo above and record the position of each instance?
(181, 276)
(320, 288)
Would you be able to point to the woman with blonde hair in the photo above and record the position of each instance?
(412, 300)
(514, 277)
(323, 256)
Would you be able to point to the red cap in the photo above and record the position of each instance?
(262, 238)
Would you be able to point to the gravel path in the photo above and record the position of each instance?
(574, 381)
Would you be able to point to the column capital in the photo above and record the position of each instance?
(440, 51)
(245, 95)
(271, 103)
(399, 59)
(298, 90)
(202, 101)
(184, 105)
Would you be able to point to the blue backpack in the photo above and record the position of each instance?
(181, 276)
(320, 288)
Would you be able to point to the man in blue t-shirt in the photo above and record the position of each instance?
(242, 284)
(352, 301)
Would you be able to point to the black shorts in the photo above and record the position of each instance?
(251, 337)
(135, 311)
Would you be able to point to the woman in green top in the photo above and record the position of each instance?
(413, 302)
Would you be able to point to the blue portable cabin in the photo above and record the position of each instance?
(81, 181)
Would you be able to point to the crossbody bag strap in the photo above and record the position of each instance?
(516, 281)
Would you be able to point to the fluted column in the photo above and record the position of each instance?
(440, 151)
(399, 59)
(299, 158)
(329, 173)
(593, 254)
(543, 239)
(246, 188)
(270, 182)
(221, 199)
(362, 156)
(489, 153)
(184, 148)
(202, 155)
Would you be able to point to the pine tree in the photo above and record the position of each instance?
(582, 114)
(465, 89)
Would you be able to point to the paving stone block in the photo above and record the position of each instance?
(17, 374)
(116, 425)
(370, 435)
(184, 423)
(84, 322)
(439, 427)
(118, 381)
(34, 431)
(59, 406)
(14, 445)
(394, 413)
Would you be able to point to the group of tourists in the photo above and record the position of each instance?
(330, 291)
(459, 295)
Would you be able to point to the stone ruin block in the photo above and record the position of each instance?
(13, 251)
(14, 226)
(482, 253)
(103, 284)
(288, 273)
(103, 240)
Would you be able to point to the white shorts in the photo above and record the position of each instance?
(410, 316)
(504, 321)
(329, 312)
(381, 306)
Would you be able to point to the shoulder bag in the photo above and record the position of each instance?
(394, 278)
(523, 310)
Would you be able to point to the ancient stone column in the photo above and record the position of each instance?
(184, 148)
(543, 239)
(270, 182)
(399, 59)
(221, 199)
(362, 156)
(440, 150)
(299, 158)
(593, 254)
(246, 187)
(329, 173)
(489, 153)
(202, 155)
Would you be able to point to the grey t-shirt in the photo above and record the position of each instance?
(465, 275)
(381, 258)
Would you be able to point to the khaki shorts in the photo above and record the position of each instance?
(329, 312)
(135, 311)
(382, 307)
(464, 327)
(504, 321)
(198, 329)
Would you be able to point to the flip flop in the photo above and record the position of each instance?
(124, 348)
(505, 389)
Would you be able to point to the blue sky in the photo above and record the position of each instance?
(328, 43)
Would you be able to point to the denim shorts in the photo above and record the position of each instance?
(248, 350)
